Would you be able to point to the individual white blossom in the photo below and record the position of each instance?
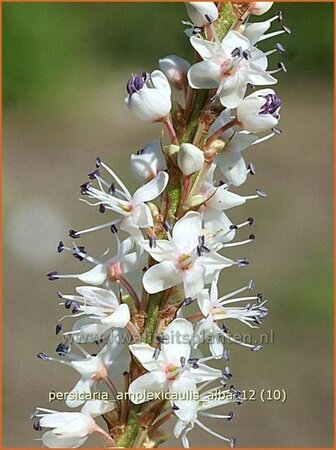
(259, 111)
(190, 159)
(175, 68)
(149, 96)
(202, 13)
(183, 258)
(148, 162)
(229, 66)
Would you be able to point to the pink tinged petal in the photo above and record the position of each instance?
(204, 48)
(205, 75)
(144, 353)
(254, 31)
(186, 232)
(152, 382)
(77, 394)
(177, 343)
(233, 39)
(205, 373)
(152, 189)
(95, 276)
(233, 167)
(50, 440)
(185, 388)
(119, 318)
(142, 216)
(161, 276)
(193, 280)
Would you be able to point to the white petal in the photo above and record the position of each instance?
(206, 49)
(76, 396)
(162, 251)
(240, 141)
(233, 91)
(144, 353)
(95, 276)
(216, 346)
(224, 199)
(205, 373)
(200, 11)
(103, 296)
(204, 303)
(186, 389)
(152, 382)
(221, 120)
(254, 31)
(96, 408)
(50, 440)
(215, 222)
(142, 216)
(193, 280)
(186, 231)
(119, 318)
(204, 75)
(177, 343)
(233, 39)
(152, 189)
(233, 167)
(87, 367)
(161, 276)
(258, 77)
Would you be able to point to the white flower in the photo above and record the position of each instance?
(132, 208)
(228, 66)
(129, 257)
(259, 8)
(259, 111)
(215, 309)
(202, 13)
(175, 68)
(209, 399)
(100, 305)
(69, 429)
(170, 370)
(184, 258)
(149, 96)
(190, 159)
(148, 162)
(93, 369)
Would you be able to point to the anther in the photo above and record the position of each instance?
(175, 407)
(188, 301)
(226, 354)
(60, 247)
(261, 193)
(251, 169)
(250, 285)
(62, 349)
(102, 208)
(152, 241)
(73, 234)
(94, 174)
(37, 426)
(52, 276)
(42, 356)
(59, 327)
(256, 348)
(280, 15)
(161, 338)
(282, 66)
(67, 304)
(182, 361)
(280, 48)
(85, 188)
(242, 262)
(98, 162)
(114, 229)
(233, 442)
(252, 237)
(250, 220)
(156, 353)
(111, 189)
(233, 227)
(167, 226)
(287, 30)
(230, 416)
(276, 130)
(60, 295)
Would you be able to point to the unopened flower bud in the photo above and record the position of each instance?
(149, 96)
(202, 13)
(148, 162)
(260, 8)
(171, 150)
(259, 111)
(190, 159)
(175, 69)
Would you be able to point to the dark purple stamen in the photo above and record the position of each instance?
(252, 237)
(233, 442)
(102, 208)
(37, 426)
(261, 193)
(242, 262)
(167, 226)
(67, 304)
(230, 416)
(79, 249)
(188, 301)
(250, 220)
(271, 105)
(251, 168)
(226, 354)
(156, 353)
(237, 52)
(94, 174)
(247, 54)
(52, 276)
(75, 308)
(85, 188)
(111, 189)
(175, 407)
(59, 327)
(114, 229)
(62, 349)
(60, 247)
(42, 356)
(98, 162)
(257, 348)
(73, 234)
(233, 227)
(136, 83)
(152, 241)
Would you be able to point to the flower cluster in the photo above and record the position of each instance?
(153, 310)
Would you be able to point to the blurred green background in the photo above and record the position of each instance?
(65, 66)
